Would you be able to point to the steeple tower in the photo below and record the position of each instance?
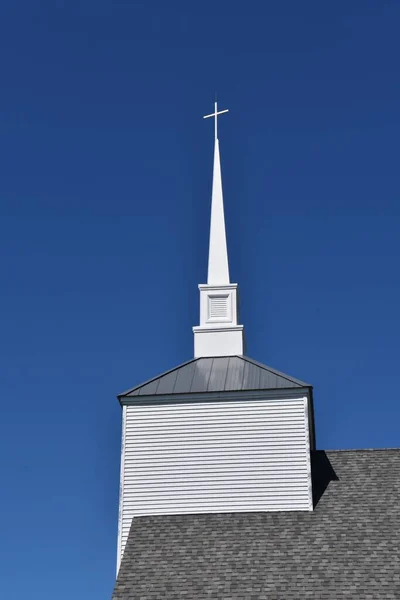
(220, 433)
(218, 333)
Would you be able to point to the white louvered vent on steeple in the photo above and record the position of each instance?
(218, 307)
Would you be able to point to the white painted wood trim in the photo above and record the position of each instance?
(121, 489)
(307, 427)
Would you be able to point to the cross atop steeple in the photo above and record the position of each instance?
(215, 115)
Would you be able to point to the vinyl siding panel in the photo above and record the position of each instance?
(215, 457)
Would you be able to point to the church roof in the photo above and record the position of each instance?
(218, 374)
(348, 547)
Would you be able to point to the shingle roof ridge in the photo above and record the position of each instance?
(140, 385)
(279, 373)
(359, 450)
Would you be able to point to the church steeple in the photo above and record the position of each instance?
(219, 333)
(218, 269)
(220, 433)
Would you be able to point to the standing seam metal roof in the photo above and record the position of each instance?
(215, 374)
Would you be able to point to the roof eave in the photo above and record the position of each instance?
(225, 395)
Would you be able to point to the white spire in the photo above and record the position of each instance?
(218, 269)
(219, 333)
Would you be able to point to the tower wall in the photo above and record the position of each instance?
(215, 456)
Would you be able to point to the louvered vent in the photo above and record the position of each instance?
(218, 307)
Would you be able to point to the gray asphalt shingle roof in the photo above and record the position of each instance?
(219, 374)
(349, 547)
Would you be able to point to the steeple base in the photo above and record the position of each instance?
(218, 342)
(218, 333)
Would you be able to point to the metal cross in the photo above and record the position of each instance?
(215, 115)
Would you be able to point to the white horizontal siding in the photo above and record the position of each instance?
(122, 535)
(214, 457)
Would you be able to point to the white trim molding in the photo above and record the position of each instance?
(121, 490)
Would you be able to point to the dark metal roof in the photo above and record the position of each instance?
(219, 374)
(349, 547)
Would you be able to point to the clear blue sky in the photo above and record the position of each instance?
(105, 166)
